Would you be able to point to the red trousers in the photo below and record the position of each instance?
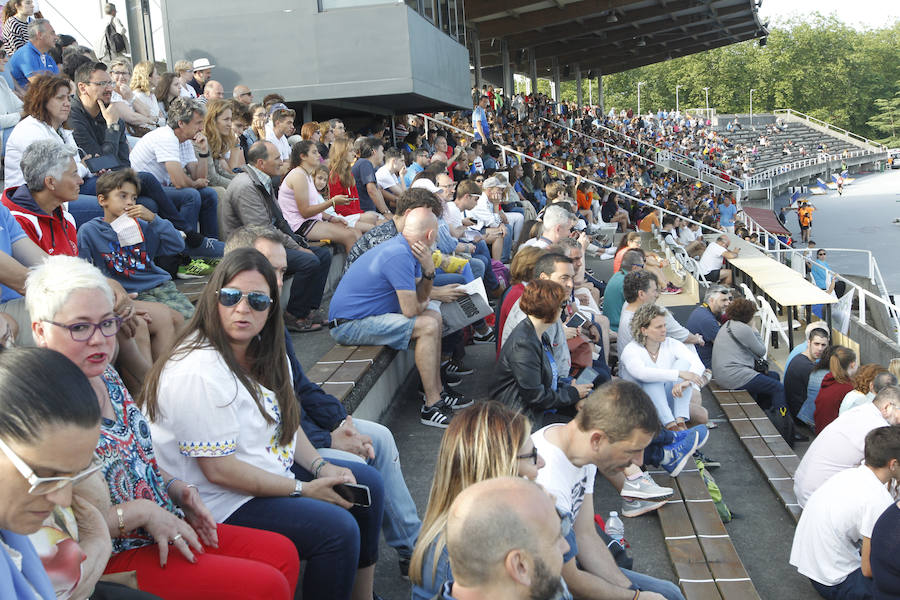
(248, 564)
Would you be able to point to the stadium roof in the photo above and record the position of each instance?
(607, 36)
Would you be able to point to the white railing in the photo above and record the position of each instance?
(763, 176)
(639, 156)
(821, 123)
(874, 273)
(672, 155)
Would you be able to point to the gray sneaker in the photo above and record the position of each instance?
(644, 487)
(635, 507)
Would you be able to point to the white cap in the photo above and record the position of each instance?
(201, 64)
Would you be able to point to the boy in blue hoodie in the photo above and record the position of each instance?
(132, 265)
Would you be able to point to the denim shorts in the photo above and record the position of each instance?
(389, 329)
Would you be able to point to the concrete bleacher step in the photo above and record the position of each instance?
(700, 549)
(772, 455)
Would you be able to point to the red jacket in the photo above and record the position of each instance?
(828, 402)
(54, 233)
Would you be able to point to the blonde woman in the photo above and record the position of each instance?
(484, 441)
(224, 151)
(143, 84)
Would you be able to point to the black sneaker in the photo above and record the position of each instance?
(484, 338)
(457, 367)
(709, 463)
(438, 415)
(450, 379)
(455, 401)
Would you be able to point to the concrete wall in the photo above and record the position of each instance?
(289, 47)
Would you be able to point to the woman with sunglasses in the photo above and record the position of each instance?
(484, 441)
(225, 417)
(48, 431)
(159, 526)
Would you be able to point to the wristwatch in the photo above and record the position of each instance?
(298, 489)
(428, 277)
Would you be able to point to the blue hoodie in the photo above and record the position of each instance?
(132, 266)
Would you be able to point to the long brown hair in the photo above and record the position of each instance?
(840, 362)
(481, 442)
(40, 92)
(219, 144)
(339, 163)
(266, 354)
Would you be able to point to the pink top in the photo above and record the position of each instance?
(288, 203)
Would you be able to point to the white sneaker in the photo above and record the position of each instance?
(634, 507)
(644, 487)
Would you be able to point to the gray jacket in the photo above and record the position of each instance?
(732, 365)
(247, 202)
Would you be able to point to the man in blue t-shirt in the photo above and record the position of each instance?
(371, 154)
(383, 299)
(32, 59)
(480, 121)
(727, 211)
(705, 320)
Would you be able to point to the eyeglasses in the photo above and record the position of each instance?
(533, 455)
(257, 300)
(126, 73)
(41, 486)
(822, 253)
(246, 94)
(106, 83)
(82, 332)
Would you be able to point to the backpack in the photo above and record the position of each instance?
(114, 40)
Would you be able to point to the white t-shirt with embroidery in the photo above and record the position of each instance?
(206, 412)
(567, 483)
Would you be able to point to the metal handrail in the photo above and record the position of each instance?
(856, 136)
(523, 156)
(805, 162)
(650, 160)
(685, 160)
(862, 293)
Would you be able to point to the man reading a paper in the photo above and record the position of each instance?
(383, 299)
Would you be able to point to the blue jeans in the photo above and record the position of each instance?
(389, 329)
(645, 583)
(196, 206)
(84, 209)
(654, 453)
(856, 587)
(767, 390)
(401, 521)
(336, 542)
(507, 245)
(309, 270)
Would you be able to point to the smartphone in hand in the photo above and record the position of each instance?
(354, 492)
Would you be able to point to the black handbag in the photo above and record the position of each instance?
(760, 364)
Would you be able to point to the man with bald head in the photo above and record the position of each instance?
(242, 94)
(383, 299)
(213, 90)
(506, 541)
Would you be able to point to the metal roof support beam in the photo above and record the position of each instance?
(476, 56)
(602, 102)
(532, 70)
(578, 92)
(507, 71)
(556, 91)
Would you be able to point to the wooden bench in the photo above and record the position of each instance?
(705, 561)
(349, 372)
(775, 458)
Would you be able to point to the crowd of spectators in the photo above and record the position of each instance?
(207, 462)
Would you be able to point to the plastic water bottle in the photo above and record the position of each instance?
(615, 528)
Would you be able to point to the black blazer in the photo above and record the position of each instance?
(524, 378)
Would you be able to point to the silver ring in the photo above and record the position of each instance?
(176, 538)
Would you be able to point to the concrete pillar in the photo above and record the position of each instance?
(307, 112)
(555, 70)
(476, 41)
(140, 30)
(507, 72)
(578, 91)
(532, 69)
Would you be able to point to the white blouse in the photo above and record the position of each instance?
(641, 368)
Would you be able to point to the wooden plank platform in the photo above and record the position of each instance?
(772, 455)
(702, 555)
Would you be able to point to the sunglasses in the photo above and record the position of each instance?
(257, 300)
(821, 254)
(41, 486)
(533, 455)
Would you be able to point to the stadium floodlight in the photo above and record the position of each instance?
(639, 84)
(706, 89)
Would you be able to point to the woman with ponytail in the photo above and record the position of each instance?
(842, 367)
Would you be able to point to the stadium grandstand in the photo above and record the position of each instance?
(279, 264)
